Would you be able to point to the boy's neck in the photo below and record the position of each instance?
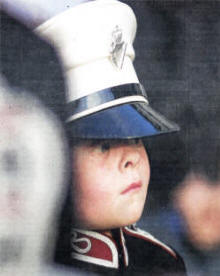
(106, 233)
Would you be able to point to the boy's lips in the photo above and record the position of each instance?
(131, 187)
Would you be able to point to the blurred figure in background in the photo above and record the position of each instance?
(32, 173)
(192, 224)
(197, 201)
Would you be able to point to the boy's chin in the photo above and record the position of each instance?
(131, 216)
(131, 220)
(121, 218)
(108, 225)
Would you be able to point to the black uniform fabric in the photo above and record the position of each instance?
(145, 254)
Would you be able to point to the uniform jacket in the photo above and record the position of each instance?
(131, 251)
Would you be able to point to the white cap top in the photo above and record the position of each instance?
(34, 12)
(94, 41)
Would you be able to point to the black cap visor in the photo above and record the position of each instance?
(127, 121)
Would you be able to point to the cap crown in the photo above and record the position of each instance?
(85, 36)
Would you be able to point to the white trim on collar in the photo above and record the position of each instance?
(138, 232)
(126, 259)
(94, 260)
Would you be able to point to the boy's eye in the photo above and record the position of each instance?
(135, 141)
(105, 146)
(100, 145)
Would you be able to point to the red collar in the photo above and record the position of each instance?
(97, 248)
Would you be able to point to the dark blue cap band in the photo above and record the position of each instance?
(120, 120)
(104, 96)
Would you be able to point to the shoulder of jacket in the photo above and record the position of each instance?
(146, 236)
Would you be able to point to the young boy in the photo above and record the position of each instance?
(107, 115)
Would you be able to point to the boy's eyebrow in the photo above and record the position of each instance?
(95, 142)
(116, 141)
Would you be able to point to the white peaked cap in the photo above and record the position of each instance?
(83, 36)
(95, 43)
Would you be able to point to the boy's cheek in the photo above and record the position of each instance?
(92, 189)
(92, 195)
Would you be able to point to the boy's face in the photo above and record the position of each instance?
(110, 181)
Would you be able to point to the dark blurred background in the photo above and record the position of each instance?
(30, 64)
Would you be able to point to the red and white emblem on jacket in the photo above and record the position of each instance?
(97, 248)
(93, 247)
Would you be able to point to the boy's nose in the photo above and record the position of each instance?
(130, 158)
